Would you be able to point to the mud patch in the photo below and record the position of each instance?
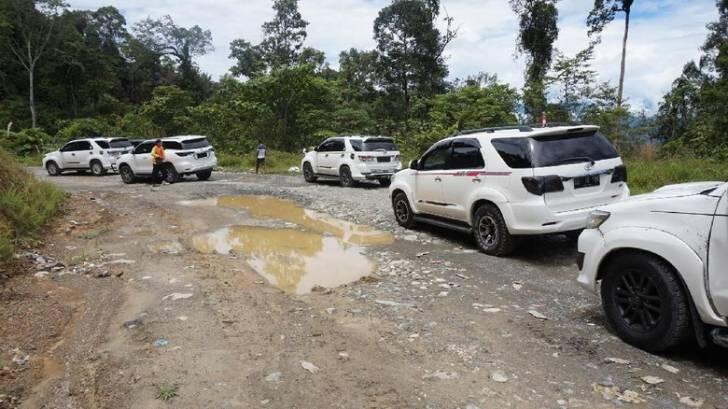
(290, 211)
(293, 260)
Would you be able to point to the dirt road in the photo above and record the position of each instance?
(205, 295)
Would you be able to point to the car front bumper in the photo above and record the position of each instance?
(589, 255)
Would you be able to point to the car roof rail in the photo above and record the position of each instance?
(557, 124)
(522, 128)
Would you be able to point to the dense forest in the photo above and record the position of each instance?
(75, 73)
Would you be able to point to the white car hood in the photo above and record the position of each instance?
(679, 190)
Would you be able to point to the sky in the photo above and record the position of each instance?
(664, 35)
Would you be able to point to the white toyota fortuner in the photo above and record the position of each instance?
(497, 183)
(353, 159)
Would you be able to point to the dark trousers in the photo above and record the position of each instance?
(157, 173)
(258, 163)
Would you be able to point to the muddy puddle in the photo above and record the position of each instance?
(318, 251)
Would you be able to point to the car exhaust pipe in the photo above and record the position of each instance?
(720, 337)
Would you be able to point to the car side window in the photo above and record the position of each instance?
(143, 148)
(466, 155)
(69, 147)
(325, 147)
(172, 145)
(436, 158)
(84, 146)
(338, 145)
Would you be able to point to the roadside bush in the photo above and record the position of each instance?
(26, 142)
(81, 128)
(26, 204)
(647, 175)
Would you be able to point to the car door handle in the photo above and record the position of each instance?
(73, 154)
(326, 156)
(476, 180)
(437, 179)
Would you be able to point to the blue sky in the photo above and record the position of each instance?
(664, 34)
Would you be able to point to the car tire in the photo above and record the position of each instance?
(308, 173)
(204, 175)
(345, 177)
(170, 174)
(97, 168)
(53, 169)
(491, 232)
(127, 175)
(645, 303)
(402, 211)
(385, 182)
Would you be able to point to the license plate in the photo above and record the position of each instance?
(201, 155)
(383, 159)
(586, 181)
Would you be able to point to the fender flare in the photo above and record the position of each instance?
(683, 258)
(494, 196)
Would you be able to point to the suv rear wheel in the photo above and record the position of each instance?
(645, 303)
(127, 175)
(345, 177)
(491, 232)
(97, 168)
(402, 211)
(204, 175)
(170, 174)
(308, 174)
(53, 169)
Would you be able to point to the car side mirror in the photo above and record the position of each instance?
(305, 151)
(414, 165)
(315, 149)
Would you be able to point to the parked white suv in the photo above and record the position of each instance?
(353, 159)
(81, 155)
(184, 155)
(497, 183)
(660, 262)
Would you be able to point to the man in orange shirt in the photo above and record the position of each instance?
(157, 163)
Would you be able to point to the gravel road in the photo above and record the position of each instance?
(438, 324)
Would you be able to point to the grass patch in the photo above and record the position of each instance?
(646, 175)
(26, 205)
(92, 234)
(167, 392)
(275, 161)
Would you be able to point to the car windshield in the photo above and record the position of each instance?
(195, 143)
(102, 144)
(373, 144)
(120, 143)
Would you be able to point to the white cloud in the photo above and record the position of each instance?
(664, 34)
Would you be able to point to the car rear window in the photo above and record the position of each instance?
(102, 144)
(554, 150)
(373, 144)
(195, 143)
(120, 143)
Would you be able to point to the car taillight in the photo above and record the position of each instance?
(364, 158)
(396, 158)
(538, 185)
(183, 153)
(619, 174)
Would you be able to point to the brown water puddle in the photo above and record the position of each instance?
(324, 251)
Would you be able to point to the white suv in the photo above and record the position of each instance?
(501, 182)
(82, 154)
(184, 155)
(660, 261)
(353, 159)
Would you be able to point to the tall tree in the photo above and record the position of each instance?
(603, 13)
(282, 44)
(33, 22)
(410, 48)
(538, 31)
(183, 44)
(575, 79)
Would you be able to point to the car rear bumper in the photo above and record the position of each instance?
(374, 172)
(195, 165)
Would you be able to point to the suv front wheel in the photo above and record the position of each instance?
(645, 303)
(127, 175)
(402, 211)
(491, 232)
(308, 174)
(170, 174)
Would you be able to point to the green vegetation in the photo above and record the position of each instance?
(167, 392)
(646, 175)
(275, 161)
(25, 205)
(92, 74)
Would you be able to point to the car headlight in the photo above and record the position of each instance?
(596, 219)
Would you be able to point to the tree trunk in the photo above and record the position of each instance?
(624, 58)
(31, 95)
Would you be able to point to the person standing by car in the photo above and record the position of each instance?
(157, 163)
(260, 157)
